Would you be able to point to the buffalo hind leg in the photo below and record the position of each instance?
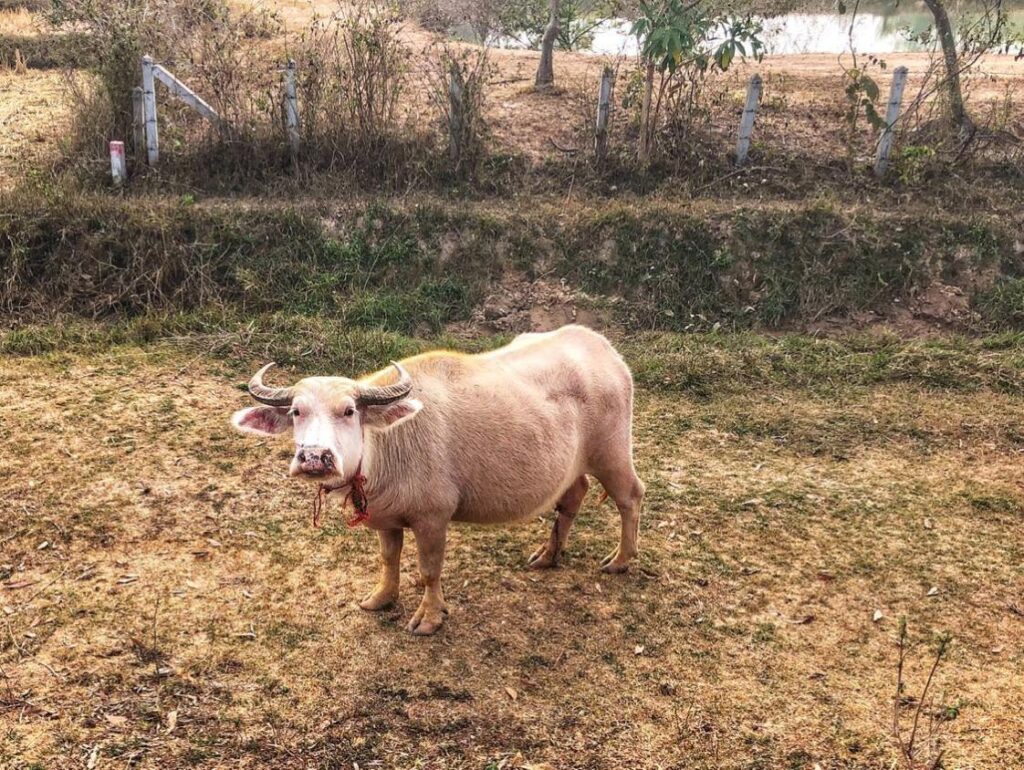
(429, 616)
(627, 490)
(386, 591)
(568, 506)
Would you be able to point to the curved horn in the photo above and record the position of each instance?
(266, 395)
(370, 395)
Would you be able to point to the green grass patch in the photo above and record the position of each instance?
(415, 268)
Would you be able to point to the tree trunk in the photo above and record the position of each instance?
(546, 68)
(957, 112)
(646, 129)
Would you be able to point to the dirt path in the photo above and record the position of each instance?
(167, 604)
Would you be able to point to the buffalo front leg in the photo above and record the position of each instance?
(430, 543)
(386, 591)
(568, 506)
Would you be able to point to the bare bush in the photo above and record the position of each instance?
(919, 742)
(203, 42)
(355, 97)
(458, 80)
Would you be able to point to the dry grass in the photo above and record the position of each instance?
(33, 116)
(165, 602)
(18, 21)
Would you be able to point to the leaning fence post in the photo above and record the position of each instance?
(604, 104)
(892, 114)
(138, 123)
(118, 169)
(291, 110)
(149, 110)
(747, 119)
(455, 115)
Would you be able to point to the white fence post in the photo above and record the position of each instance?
(291, 110)
(892, 114)
(118, 169)
(747, 120)
(149, 109)
(604, 104)
(138, 123)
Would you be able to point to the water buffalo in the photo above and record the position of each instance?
(490, 438)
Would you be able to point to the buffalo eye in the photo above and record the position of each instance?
(350, 411)
(293, 412)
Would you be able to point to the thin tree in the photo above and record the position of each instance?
(947, 39)
(546, 68)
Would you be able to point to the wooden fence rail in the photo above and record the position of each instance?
(152, 72)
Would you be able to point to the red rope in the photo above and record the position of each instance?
(356, 495)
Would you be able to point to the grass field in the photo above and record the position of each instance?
(167, 603)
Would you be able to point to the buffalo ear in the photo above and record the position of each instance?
(384, 417)
(262, 420)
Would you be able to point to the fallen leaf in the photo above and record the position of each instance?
(927, 523)
(877, 616)
(933, 591)
(638, 650)
(43, 545)
(172, 721)
(115, 720)
(802, 621)
(511, 693)
(125, 579)
(213, 542)
(94, 756)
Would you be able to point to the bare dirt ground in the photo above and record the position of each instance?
(166, 603)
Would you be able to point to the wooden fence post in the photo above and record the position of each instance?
(149, 111)
(747, 119)
(455, 116)
(138, 123)
(291, 111)
(892, 114)
(604, 105)
(118, 169)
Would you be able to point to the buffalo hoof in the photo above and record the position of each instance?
(426, 620)
(614, 563)
(380, 599)
(542, 558)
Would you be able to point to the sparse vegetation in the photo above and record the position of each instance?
(789, 498)
(418, 267)
(163, 599)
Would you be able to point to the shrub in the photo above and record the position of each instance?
(357, 107)
(1002, 306)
